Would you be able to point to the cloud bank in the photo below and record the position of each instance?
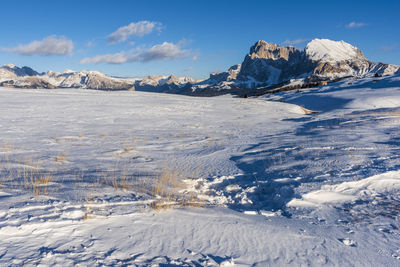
(51, 45)
(117, 58)
(160, 52)
(139, 29)
(354, 24)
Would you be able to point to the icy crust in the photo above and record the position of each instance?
(332, 51)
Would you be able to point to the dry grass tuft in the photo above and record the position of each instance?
(170, 191)
(128, 149)
(40, 184)
(61, 158)
(308, 111)
(88, 211)
(171, 188)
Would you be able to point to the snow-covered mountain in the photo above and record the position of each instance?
(266, 67)
(163, 84)
(25, 77)
(11, 71)
(331, 51)
(270, 66)
(340, 59)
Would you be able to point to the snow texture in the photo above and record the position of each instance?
(279, 185)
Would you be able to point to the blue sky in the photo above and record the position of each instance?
(190, 38)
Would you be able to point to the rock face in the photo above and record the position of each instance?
(229, 75)
(270, 63)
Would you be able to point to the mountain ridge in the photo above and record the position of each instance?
(266, 65)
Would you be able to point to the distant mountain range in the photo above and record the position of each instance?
(267, 67)
(25, 77)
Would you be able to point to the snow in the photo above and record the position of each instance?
(276, 186)
(11, 66)
(386, 183)
(331, 51)
(67, 71)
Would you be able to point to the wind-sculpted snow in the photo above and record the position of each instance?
(277, 184)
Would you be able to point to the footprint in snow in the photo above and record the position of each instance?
(348, 242)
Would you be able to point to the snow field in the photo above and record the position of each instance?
(133, 178)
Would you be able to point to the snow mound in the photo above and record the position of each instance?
(328, 50)
(350, 191)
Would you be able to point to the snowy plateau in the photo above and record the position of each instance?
(303, 177)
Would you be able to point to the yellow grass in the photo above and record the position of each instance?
(60, 158)
(307, 111)
(169, 188)
(170, 191)
(128, 149)
(39, 185)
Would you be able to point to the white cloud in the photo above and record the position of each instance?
(160, 52)
(51, 45)
(354, 24)
(117, 58)
(139, 28)
(164, 51)
(296, 41)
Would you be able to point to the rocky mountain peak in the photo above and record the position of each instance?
(10, 66)
(263, 49)
(11, 69)
(269, 63)
(27, 71)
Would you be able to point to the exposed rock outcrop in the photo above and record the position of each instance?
(270, 63)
